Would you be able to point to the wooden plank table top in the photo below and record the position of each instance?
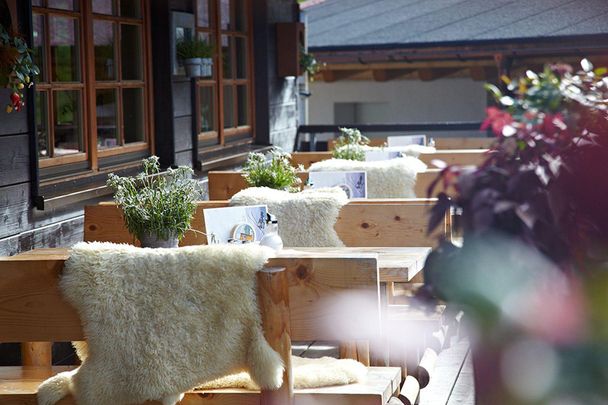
(396, 264)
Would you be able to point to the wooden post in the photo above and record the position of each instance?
(273, 300)
(36, 354)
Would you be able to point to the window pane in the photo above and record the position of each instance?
(130, 8)
(37, 3)
(103, 6)
(240, 12)
(227, 57)
(241, 58)
(228, 107)
(206, 100)
(203, 13)
(107, 118)
(131, 52)
(63, 4)
(42, 130)
(65, 58)
(243, 109)
(38, 49)
(133, 114)
(225, 14)
(103, 39)
(67, 122)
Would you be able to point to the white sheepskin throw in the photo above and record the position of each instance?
(306, 219)
(307, 373)
(407, 150)
(161, 321)
(393, 178)
(410, 150)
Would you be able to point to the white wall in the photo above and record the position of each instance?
(404, 101)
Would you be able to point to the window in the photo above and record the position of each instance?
(92, 94)
(224, 98)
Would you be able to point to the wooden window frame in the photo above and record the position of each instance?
(218, 82)
(88, 84)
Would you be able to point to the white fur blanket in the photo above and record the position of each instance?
(306, 219)
(407, 150)
(393, 178)
(307, 373)
(160, 321)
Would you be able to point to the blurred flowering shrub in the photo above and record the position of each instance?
(531, 274)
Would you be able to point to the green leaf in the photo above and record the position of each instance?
(601, 71)
(493, 89)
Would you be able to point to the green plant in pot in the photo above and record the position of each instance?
(196, 55)
(275, 173)
(157, 207)
(351, 145)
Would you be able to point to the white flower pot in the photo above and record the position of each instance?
(150, 240)
(194, 67)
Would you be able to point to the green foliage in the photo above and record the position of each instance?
(275, 173)
(351, 145)
(194, 48)
(17, 69)
(309, 64)
(160, 203)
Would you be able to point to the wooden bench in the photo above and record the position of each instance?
(292, 302)
(451, 157)
(224, 184)
(363, 223)
(443, 143)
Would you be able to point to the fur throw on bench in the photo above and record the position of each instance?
(306, 219)
(393, 178)
(307, 373)
(160, 321)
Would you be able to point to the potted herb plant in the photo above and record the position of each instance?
(196, 55)
(350, 145)
(275, 173)
(17, 70)
(157, 207)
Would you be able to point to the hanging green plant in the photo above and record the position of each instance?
(17, 69)
(309, 64)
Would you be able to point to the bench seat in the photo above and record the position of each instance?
(18, 386)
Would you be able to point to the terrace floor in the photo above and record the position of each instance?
(451, 383)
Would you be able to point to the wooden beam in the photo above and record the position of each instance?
(427, 75)
(483, 73)
(330, 76)
(383, 75)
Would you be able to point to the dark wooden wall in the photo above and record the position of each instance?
(276, 110)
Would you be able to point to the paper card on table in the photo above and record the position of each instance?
(375, 155)
(247, 223)
(353, 183)
(405, 140)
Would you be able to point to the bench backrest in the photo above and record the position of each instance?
(33, 309)
(224, 184)
(387, 223)
(452, 157)
(456, 142)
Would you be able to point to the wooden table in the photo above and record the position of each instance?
(395, 264)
